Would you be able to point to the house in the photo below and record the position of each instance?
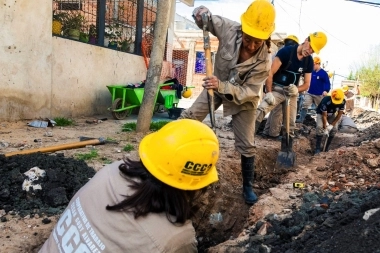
(47, 76)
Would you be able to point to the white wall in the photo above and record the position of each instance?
(45, 76)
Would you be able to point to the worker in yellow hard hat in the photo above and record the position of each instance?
(291, 64)
(142, 205)
(329, 113)
(240, 69)
(350, 96)
(319, 87)
(272, 129)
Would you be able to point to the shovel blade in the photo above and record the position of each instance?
(285, 159)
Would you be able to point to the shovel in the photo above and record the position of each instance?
(286, 157)
(210, 92)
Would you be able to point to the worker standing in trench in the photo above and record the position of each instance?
(142, 205)
(288, 66)
(329, 113)
(319, 87)
(241, 66)
(272, 129)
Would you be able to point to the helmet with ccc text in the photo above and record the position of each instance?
(317, 41)
(187, 93)
(291, 38)
(182, 154)
(259, 19)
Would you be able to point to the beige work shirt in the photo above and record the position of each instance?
(241, 83)
(86, 225)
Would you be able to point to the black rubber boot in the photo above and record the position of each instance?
(318, 144)
(257, 125)
(247, 170)
(329, 140)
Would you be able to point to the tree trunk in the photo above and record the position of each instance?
(155, 66)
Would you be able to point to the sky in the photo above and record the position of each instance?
(352, 29)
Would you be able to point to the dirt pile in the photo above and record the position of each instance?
(325, 216)
(62, 177)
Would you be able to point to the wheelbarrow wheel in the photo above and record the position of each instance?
(117, 104)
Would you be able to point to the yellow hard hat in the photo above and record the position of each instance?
(330, 74)
(317, 41)
(293, 38)
(337, 96)
(317, 60)
(258, 20)
(345, 87)
(182, 154)
(187, 93)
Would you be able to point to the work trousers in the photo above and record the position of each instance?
(243, 123)
(309, 99)
(280, 94)
(350, 104)
(330, 118)
(274, 122)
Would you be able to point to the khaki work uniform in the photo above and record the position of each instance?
(240, 84)
(86, 225)
(350, 102)
(274, 122)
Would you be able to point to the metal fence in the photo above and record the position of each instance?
(123, 25)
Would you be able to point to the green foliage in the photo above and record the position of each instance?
(154, 126)
(128, 147)
(61, 16)
(157, 125)
(61, 121)
(129, 126)
(368, 73)
(88, 156)
(73, 20)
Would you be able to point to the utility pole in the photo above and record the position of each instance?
(155, 66)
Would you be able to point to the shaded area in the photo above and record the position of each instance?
(64, 177)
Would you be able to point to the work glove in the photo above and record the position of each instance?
(269, 98)
(329, 127)
(197, 15)
(292, 90)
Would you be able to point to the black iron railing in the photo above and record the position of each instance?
(122, 25)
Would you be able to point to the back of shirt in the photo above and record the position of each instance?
(86, 225)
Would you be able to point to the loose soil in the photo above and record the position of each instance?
(326, 215)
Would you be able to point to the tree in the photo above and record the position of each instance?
(155, 66)
(368, 72)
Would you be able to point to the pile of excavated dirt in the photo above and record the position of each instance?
(326, 215)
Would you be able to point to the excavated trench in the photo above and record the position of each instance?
(332, 225)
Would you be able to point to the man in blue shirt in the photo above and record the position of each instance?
(281, 86)
(319, 87)
(329, 112)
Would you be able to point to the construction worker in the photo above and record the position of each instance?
(329, 113)
(350, 95)
(241, 66)
(288, 66)
(319, 87)
(273, 124)
(142, 205)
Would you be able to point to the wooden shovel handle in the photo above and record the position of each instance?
(56, 148)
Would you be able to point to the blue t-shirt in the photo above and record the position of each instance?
(326, 105)
(291, 68)
(319, 83)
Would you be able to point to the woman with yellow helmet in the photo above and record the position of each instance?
(142, 205)
(240, 69)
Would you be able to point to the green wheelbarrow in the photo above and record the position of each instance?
(124, 100)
